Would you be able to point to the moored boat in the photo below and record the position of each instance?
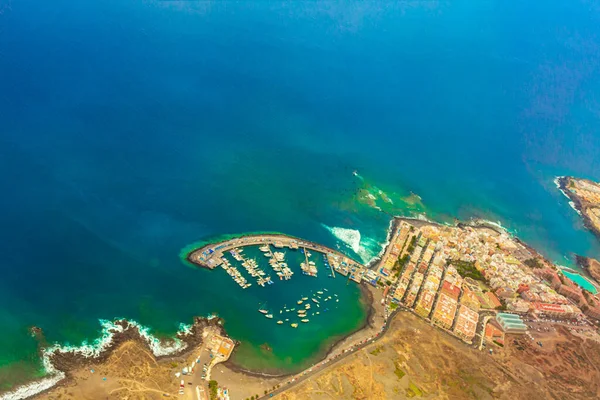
(269, 315)
(294, 325)
(304, 320)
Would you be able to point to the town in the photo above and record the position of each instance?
(476, 283)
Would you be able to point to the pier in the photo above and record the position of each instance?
(211, 255)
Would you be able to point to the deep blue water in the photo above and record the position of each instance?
(129, 129)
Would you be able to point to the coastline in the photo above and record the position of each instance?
(65, 360)
(71, 361)
(61, 362)
(589, 271)
(562, 182)
(375, 261)
(366, 294)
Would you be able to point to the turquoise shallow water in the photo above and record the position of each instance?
(129, 130)
(581, 281)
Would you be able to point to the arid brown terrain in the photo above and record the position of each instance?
(585, 198)
(415, 360)
(591, 266)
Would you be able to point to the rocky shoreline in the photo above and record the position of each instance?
(580, 207)
(590, 266)
(71, 360)
(66, 361)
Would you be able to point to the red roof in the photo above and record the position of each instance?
(451, 290)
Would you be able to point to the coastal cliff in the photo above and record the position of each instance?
(564, 184)
(591, 266)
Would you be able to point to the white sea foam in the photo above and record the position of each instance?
(383, 246)
(33, 388)
(557, 181)
(98, 346)
(352, 239)
(574, 207)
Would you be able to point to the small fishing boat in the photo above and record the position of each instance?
(304, 320)
(294, 325)
(269, 316)
(304, 298)
(279, 322)
(263, 310)
(299, 302)
(315, 301)
(319, 292)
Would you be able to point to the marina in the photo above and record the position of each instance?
(214, 255)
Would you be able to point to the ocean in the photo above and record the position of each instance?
(130, 130)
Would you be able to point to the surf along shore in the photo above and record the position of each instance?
(73, 365)
(69, 366)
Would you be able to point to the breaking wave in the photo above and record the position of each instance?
(86, 350)
(366, 248)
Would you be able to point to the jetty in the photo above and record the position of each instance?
(211, 255)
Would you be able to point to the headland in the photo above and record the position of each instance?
(584, 196)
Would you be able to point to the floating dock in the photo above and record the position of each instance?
(211, 255)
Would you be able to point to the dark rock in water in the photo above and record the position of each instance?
(266, 347)
(70, 360)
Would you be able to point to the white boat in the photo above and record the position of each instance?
(262, 309)
(269, 315)
(304, 320)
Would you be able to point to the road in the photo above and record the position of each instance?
(325, 364)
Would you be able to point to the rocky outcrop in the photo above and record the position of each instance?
(591, 267)
(578, 204)
(122, 332)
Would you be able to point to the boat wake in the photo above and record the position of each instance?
(58, 359)
(366, 248)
